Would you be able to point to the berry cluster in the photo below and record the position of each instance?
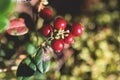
(59, 33)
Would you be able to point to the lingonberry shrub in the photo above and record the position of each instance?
(57, 33)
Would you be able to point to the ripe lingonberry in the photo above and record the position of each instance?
(77, 29)
(46, 13)
(57, 45)
(69, 39)
(46, 30)
(60, 23)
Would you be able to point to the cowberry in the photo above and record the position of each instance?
(46, 13)
(46, 30)
(60, 23)
(77, 29)
(69, 39)
(17, 27)
(57, 45)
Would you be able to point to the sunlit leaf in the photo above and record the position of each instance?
(30, 48)
(3, 24)
(5, 6)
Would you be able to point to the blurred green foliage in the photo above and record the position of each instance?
(96, 54)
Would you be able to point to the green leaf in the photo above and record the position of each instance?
(5, 7)
(26, 61)
(30, 48)
(2, 53)
(38, 57)
(32, 66)
(42, 66)
(38, 75)
(23, 78)
(46, 66)
(3, 24)
(26, 78)
(26, 69)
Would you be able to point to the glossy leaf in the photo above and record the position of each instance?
(42, 65)
(38, 59)
(46, 66)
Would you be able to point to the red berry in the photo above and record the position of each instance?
(57, 45)
(46, 13)
(46, 30)
(69, 39)
(77, 29)
(60, 23)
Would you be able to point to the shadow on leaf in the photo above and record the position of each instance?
(24, 70)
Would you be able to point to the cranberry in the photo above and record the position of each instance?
(46, 30)
(69, 39)
(57, 45)
(77, 29)
(46, 13)
(60, 23)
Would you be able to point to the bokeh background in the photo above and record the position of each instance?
(95, 55)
